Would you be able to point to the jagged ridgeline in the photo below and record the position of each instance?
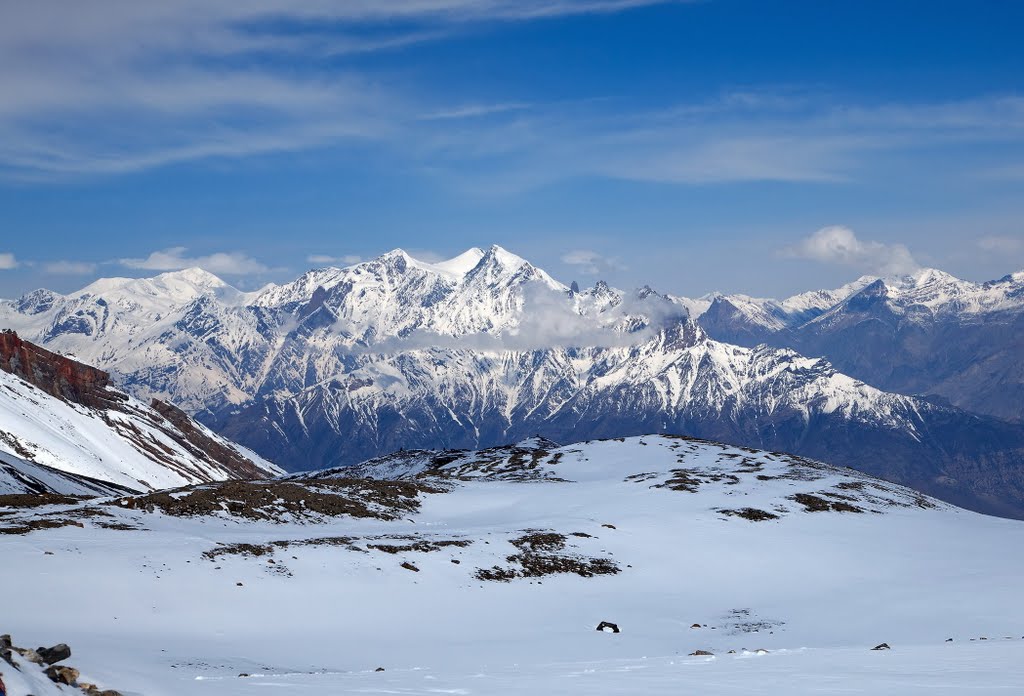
(345, 364)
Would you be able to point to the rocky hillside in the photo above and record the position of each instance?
(64, 429)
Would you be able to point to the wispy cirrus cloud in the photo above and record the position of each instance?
(1001, 245)
(69, 267)
(176, 259)
(123, 86)
(346, 259)
(590, 262)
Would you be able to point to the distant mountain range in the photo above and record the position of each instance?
(344, 364)
(928, 333)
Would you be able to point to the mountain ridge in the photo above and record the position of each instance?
(344, 364)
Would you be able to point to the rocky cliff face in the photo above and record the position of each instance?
(57, 375)
(65, 429)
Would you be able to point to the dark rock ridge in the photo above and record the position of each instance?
(208, 457)
(57, 375)
(187, 434)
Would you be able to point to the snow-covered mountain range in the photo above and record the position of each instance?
(65, 431)
(344, 364)
(724, 569)
(925, 333)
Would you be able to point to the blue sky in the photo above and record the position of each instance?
(692, 146)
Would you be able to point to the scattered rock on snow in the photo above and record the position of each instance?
(701, 653)
(60, 674)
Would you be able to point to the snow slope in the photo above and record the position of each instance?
(134, 447)
(801, 598)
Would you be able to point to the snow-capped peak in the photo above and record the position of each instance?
(463, 263)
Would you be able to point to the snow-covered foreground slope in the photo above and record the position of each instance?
(70, 421)
(439, 578)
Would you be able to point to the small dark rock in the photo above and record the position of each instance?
(882, 646)
(409, 566)
(608, 627)
(243, 674)
(701, 653)
(609, 526)
(379, 669)
(949, 640)
(238, 584)
(695, 626)
(456, 561)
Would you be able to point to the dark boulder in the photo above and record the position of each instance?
(55, 654)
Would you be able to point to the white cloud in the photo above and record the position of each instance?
(7, 262)
(1001, 245)
(473, 111)
(69, 267)
(346, 259)
(589, 262)
(174, 259)
(840, 245)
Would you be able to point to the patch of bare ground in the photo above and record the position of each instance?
(34, 525)
(420, 546)
(544, 553)
(34, 500)
(502, 463)
(815, 503)
(752, 514)
(690, 480)
(405, 544)
(278, 501)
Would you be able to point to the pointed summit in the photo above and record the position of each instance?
(463, 263)
(196, 276)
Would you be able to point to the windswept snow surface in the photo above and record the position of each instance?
(146, 613)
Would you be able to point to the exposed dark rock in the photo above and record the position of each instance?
(608, 627)
(882, 646)
(55, 654)
(63, 675)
